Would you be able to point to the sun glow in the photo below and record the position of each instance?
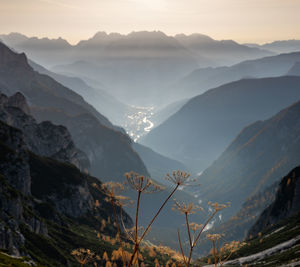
(152, 4)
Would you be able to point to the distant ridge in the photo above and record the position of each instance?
(257, 157)
(203, 128)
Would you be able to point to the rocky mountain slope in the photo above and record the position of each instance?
(44, 200)
(286, 203)
(273, 239)
(44, 139)
(202, 129)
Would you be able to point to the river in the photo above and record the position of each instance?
(138, 122)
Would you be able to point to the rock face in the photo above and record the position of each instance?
(43, 138)
(38, 181)
(286, 203)
(108, 149)
(34, 189)
(15, 188)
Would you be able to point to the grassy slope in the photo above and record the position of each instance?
(273, 236)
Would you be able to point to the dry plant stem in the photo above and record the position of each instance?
(214, 252)
(137, 216)
(136, 247)
(181, 250)
(188, 228)
(202, 229)
(197, 238)
(218, 251)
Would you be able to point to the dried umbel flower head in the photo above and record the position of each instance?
(83, 256)
(178, 177)
(217, 207)
(189, 208)
(213, 237)
(232, 246)
(195, 226)
(141, 184)
(112, 188)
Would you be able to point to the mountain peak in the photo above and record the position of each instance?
(194, 36)
(10, 59)
(147, 34)
(100, 35)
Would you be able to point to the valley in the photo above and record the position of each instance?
(148, 149)
(137, 122)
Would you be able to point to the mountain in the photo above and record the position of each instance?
(97, 97)
(133, 66)
(91, 132)
(277, 246)
(255, 159)
(286, 203)
(203, 79)
(53, 141)
(273, 239)
(35, 47)
(48, 207)
(109, 151)
(157, 165)
(295, 70)
(165, 112)
(219, 53)
(285, 46)
(202, 129)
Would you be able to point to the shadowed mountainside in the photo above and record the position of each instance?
(201, 130)
(257, 157)
(285, 204)
(106, 104)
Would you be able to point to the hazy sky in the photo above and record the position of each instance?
(242, 20)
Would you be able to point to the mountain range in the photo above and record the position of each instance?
(235, 127)
(283, 46)
(109, 150)
(203, 128)
(203, 79)
(157, 60)
(219, 53)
